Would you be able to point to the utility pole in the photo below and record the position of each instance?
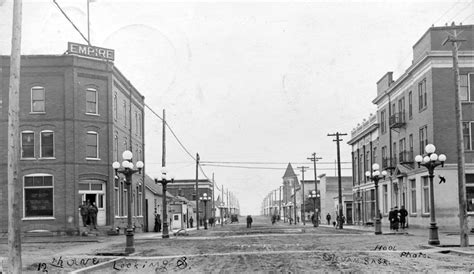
(314, 159)
(279, 204)
(463, 223)
(294, 198)
(163, 150)
(14, 185)
(337, 134)
(303, 169)
(197, 191)
(228, 205)
(213, 213)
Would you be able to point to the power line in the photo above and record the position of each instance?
(461, 10)
(262, 168)
(447, 11)
(267, 163)
(172, 132)
(469, 16)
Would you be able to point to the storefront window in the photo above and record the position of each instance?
(38, 196)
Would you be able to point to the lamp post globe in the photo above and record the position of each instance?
(127, 170)
(376, 176)
(431, 160)
(165, 179)
(205, 199)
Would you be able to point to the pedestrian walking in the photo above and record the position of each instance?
(328, 218)
(84, 213)
(249, 221)
(403, 217)
(390, 218)
(157, 227)
(191, 222)
(396, 220)
(93, 215)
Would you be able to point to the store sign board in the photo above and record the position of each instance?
(90, 51)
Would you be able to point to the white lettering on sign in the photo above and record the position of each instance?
(91, 51)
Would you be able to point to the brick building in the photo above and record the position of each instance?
(417, 109)
(77, 116)
(365, 144)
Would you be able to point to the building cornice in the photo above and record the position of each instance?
(412, 69)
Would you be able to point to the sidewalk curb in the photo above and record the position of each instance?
(448, 250)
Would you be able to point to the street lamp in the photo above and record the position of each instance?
(221, 207)
(375, 176)
(205, 199)
(431, 160)
(313, 196)
(128, 171)
(165, 179)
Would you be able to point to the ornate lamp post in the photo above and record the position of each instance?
(313, 196)
(375, 176)
(165, 179)
(431, 160)
(205, 199)
(221, 207)
(128, 171)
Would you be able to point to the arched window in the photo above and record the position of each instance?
(27, 144)
(37, 99)
(92, 145)
(47, 144)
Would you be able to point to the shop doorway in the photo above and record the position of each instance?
(94, 192)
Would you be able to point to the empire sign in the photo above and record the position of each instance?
(90, 51)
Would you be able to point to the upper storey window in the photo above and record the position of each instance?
(91, 101)
(37, 99)
(466, 85)
(422, 98)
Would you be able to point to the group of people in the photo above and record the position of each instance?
(89, 214)
(398, 218)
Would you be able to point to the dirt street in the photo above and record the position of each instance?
(235, 248)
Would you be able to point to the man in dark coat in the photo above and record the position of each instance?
(390, 218)
(191, 222)
(93, 215)
(395, 218)
(157, 223)
(249, 221)
(403, 217)
(84, 213)
(328, 218)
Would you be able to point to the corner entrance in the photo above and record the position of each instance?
(94, 192)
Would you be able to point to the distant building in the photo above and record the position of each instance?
(187, 188)
(365, 145)
(330, 197)
(290, 183)
(154, 203)
(77, 116)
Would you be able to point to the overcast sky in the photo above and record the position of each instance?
(245, 81)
